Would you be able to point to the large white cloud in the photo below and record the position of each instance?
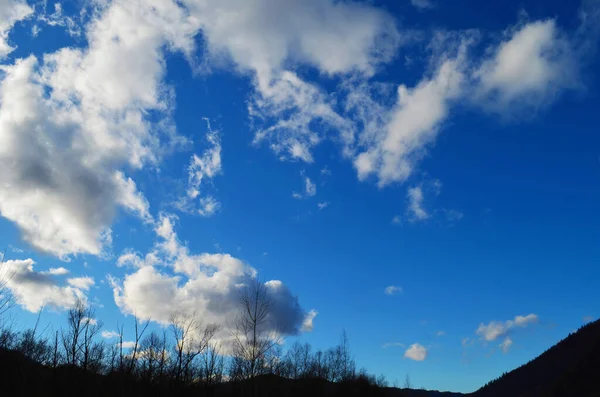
(70, 126)
(205, 284)
(266, 38)
(11, 11)
(34, 290)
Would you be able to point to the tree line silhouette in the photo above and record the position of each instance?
(187, 357)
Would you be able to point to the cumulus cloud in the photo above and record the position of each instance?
(392, 290)
(416, 352)
(532, 66)
(495, 329)
(82, 283)
(206, 284)
(64, 137)
(307, 324)
(127, 344)
(56, 271)
(11, 12)
(34, 290)
(110, 334)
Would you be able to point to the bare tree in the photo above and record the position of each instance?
(140, 329)
(91, 351)
(151, 351)
(254, 334)
(71, 338)
(407, 382)
(298, 360)
(212, 367)
(78, 340)
(191, 339)
(56, 357)
(341, 365)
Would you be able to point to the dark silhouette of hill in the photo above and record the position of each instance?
(571, 368)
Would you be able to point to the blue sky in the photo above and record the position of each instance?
(424, 175)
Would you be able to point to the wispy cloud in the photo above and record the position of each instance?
(393, 344)
(323, 205)
(392, 290)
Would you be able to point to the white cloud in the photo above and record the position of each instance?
(65, 137)
(82, 283)
(307, 324)
(523, 321)
(88, 320)
(394, 148)
(331, 36)
(495, 329)
(492, 331)
(417, 211)
(530, 68)
(205, 284)
(323, 205)
(440, 333)
(208, 206)
(415, 204)
(416, 352)
(56, 271)
(56, 18)
(397, 220)
(392, 290)
(34, 290)
(202, 170)
(588, 319)
(127, 344)
(422, 4)
(11, 12)
(310, 189)
(506, 344)
(110, 334)
(334, 37)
